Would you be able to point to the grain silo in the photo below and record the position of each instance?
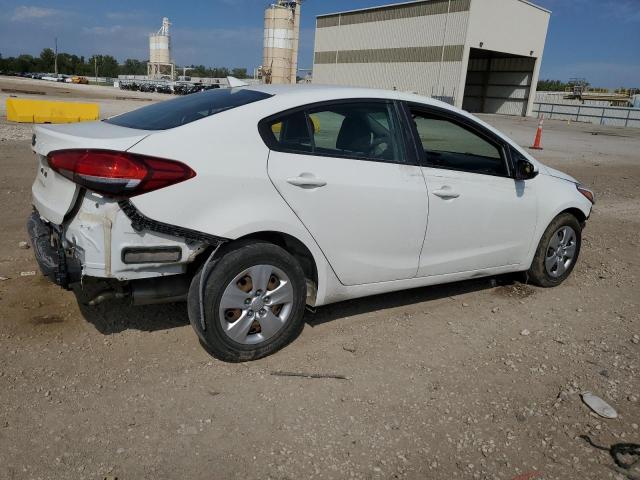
(281, 38)
(160, 63)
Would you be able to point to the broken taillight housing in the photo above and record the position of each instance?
(589, 195)
(118, 174)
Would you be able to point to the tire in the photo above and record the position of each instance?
(557, 252)
(246, 277)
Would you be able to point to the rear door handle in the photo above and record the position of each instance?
(446, 193)
(306, 181)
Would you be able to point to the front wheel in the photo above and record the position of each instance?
(253, 299)
(557, 252)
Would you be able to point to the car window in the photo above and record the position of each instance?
(292, 132)
(360, 130)
(352, 130)
(448, 144)
(187, 109)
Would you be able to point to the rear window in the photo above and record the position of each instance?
(183, 110)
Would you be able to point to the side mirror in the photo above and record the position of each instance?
(525, 170)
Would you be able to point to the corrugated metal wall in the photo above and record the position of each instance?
(414, 47)
(498, 85)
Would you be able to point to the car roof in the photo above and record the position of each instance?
(311, 93)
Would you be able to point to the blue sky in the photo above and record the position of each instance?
(596, 39)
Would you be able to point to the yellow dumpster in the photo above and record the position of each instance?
(45, 111)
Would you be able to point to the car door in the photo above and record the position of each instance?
(480, 217)
(345, 171)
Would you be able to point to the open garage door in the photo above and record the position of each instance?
(498, 83)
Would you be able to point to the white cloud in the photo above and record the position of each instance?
(24, 13)
(102, 30)
(120, 16)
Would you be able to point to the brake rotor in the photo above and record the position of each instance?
(245, 284)
(255, 328)
(232, 315)
(274, 282)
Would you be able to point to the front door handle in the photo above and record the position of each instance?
(446, 193)
(306, 180)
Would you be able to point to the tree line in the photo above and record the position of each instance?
(559, 86)
(104, 65)
(552, 86)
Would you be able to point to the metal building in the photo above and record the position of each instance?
(480, 55)
(281, 38)
(160, 63)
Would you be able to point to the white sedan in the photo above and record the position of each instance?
(252, 202)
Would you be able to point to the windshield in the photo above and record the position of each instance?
(180, 111)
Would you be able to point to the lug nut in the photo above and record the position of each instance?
(263, 312)
(247, 301)
(258, 293)
(267, 299)
(250, 313)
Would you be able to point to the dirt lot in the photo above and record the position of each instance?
(471, 380)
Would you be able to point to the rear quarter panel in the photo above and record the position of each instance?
(231, 195)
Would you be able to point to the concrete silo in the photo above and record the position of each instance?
(160, 63)
(281, 39)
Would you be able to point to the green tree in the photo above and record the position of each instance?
(551, 86)
(107, 66)
(218, 72)
(197, 71)
(132, 66)
(239, 72)
(47, 60)
(25, 63)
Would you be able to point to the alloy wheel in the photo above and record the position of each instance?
(561, 251)
(256, 304)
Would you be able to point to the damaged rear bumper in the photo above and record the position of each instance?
(52, 259)
(105, 239)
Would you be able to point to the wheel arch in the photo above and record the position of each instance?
(576, 212)
(570, 208)
(292, 245)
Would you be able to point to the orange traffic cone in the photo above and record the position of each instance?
(537, 143)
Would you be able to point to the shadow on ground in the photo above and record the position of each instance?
(118, 315)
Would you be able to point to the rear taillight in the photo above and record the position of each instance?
(118, 174)
(587, 193)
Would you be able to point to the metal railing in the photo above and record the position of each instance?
(612, 116)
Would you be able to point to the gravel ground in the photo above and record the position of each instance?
(477, 379)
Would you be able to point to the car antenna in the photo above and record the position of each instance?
(235, 82)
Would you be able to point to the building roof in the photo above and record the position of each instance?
(391, 5)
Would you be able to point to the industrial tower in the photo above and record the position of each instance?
(281, 39)
(160, 63)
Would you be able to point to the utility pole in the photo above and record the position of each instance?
(185, 70)
(95, 67)
(55, 61)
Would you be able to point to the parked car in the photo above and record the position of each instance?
(252, 202)
(53, 78)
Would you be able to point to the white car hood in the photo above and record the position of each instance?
(552, 172)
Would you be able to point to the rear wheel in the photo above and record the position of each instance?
(557, 252)
(253, 302)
